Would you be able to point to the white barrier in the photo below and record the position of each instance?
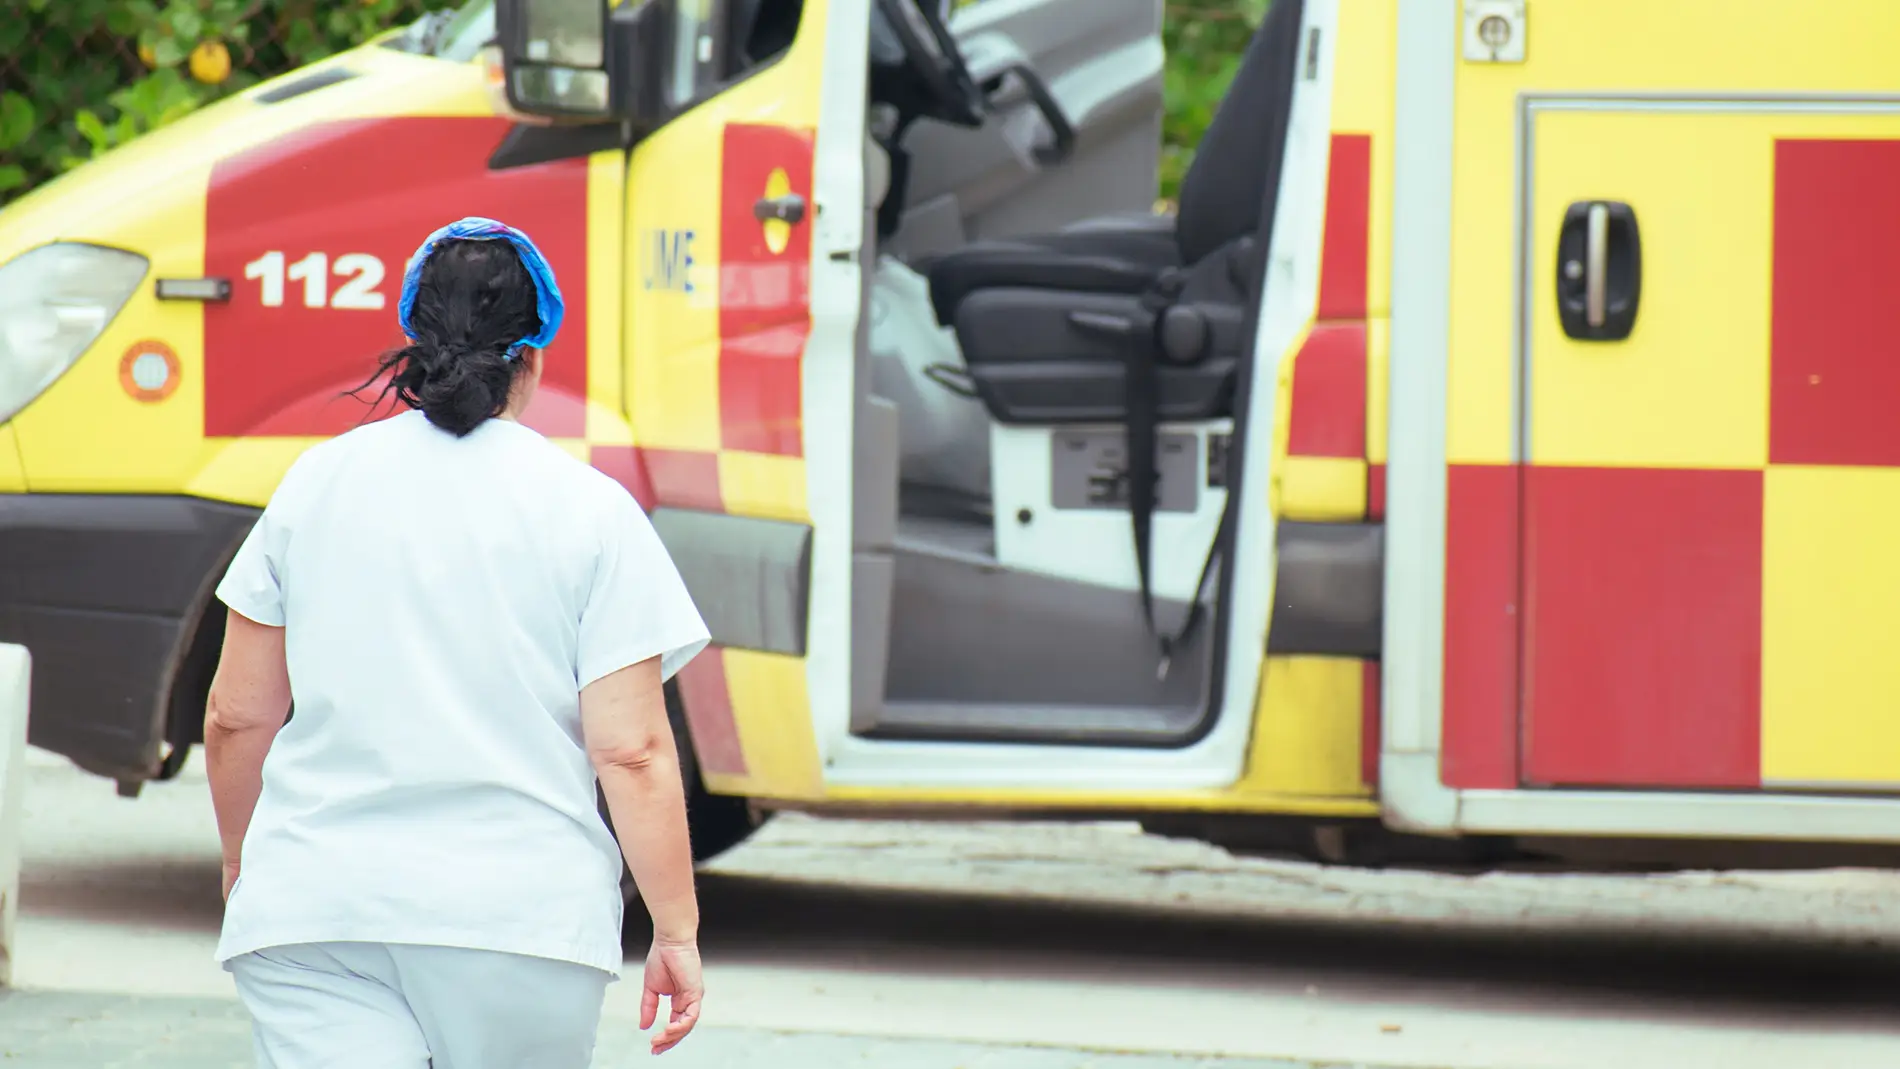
(16, 671)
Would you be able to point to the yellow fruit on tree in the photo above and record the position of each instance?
(211, 62)
(148, 57)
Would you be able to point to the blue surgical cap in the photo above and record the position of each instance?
(547, 299)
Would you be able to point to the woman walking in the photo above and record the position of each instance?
(474, 628)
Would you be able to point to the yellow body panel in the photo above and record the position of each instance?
(1619, 46)
(1322, 489)
(1226, 800)
(85, 433)
(769, 706)
(1693, 388)
(1378, 370)
(762, 485)
(12, 475)
(1689, 388)
(1308, 737)
(606, 313)
(1831, 579)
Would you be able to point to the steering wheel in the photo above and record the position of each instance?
(934, 57)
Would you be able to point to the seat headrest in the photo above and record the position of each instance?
(1239, 155)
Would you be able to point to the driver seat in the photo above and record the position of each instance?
(1046, 322)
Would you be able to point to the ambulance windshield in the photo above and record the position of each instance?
(464, 34)
(456, 35)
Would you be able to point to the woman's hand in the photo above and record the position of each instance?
(673, 971)
(230, 876)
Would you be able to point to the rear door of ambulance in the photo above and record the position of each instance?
(1675, 461)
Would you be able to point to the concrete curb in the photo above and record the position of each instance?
(16, 670)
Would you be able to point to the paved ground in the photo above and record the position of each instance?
(57, 1030)
(947, 945)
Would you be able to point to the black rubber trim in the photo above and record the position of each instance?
(1328, 590)
(750, 578)
(526, 146)
(106, 590)
(309, 83)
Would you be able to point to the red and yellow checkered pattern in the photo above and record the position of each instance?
(1688, 582)
(762, 281)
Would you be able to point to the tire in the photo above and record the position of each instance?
(716, 823)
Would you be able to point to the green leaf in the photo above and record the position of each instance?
(187, 23)
(12, 176)
(17, 117)
(168, 52)
(93, 129)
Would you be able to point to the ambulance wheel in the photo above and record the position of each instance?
(716, 823)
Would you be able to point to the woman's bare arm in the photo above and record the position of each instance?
(623, 720)
(250, 698)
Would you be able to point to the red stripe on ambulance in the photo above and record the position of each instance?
(1342, 276)
(1478, 747)
(1328, 417)
(1642, 627)
(764, 290)
(708, 707)
(314, 231)
(1835, 359)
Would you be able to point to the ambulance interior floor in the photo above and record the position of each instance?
(978, 650)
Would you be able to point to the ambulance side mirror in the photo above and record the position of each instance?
(581, 59)
(554, 57)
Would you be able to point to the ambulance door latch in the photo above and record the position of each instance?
(1599, 270)
(789, 209)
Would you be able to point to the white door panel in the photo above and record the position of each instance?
(1103, 61)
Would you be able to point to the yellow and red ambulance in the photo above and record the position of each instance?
(1487, 460)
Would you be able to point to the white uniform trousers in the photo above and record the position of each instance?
(395, 1006)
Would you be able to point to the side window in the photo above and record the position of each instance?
(718, 42)
(767, 34)
(696, 42)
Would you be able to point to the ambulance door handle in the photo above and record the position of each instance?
(789, 208)
(1596, 264)
(1599, 271)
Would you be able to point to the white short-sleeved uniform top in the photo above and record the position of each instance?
(445, 600)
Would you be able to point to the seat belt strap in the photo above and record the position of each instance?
(1197, 608)
(1142, 401)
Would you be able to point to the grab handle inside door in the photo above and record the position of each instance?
(1599, 270)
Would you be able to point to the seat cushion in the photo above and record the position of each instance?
(1044, 356)
(1090, 259)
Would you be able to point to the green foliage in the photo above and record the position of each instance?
(80, 77)
(1205, 39)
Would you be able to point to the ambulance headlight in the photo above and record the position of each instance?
(55, 301)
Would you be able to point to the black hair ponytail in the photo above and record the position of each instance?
(474, 301)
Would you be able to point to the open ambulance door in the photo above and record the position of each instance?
(736, 319)
(998, 636)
